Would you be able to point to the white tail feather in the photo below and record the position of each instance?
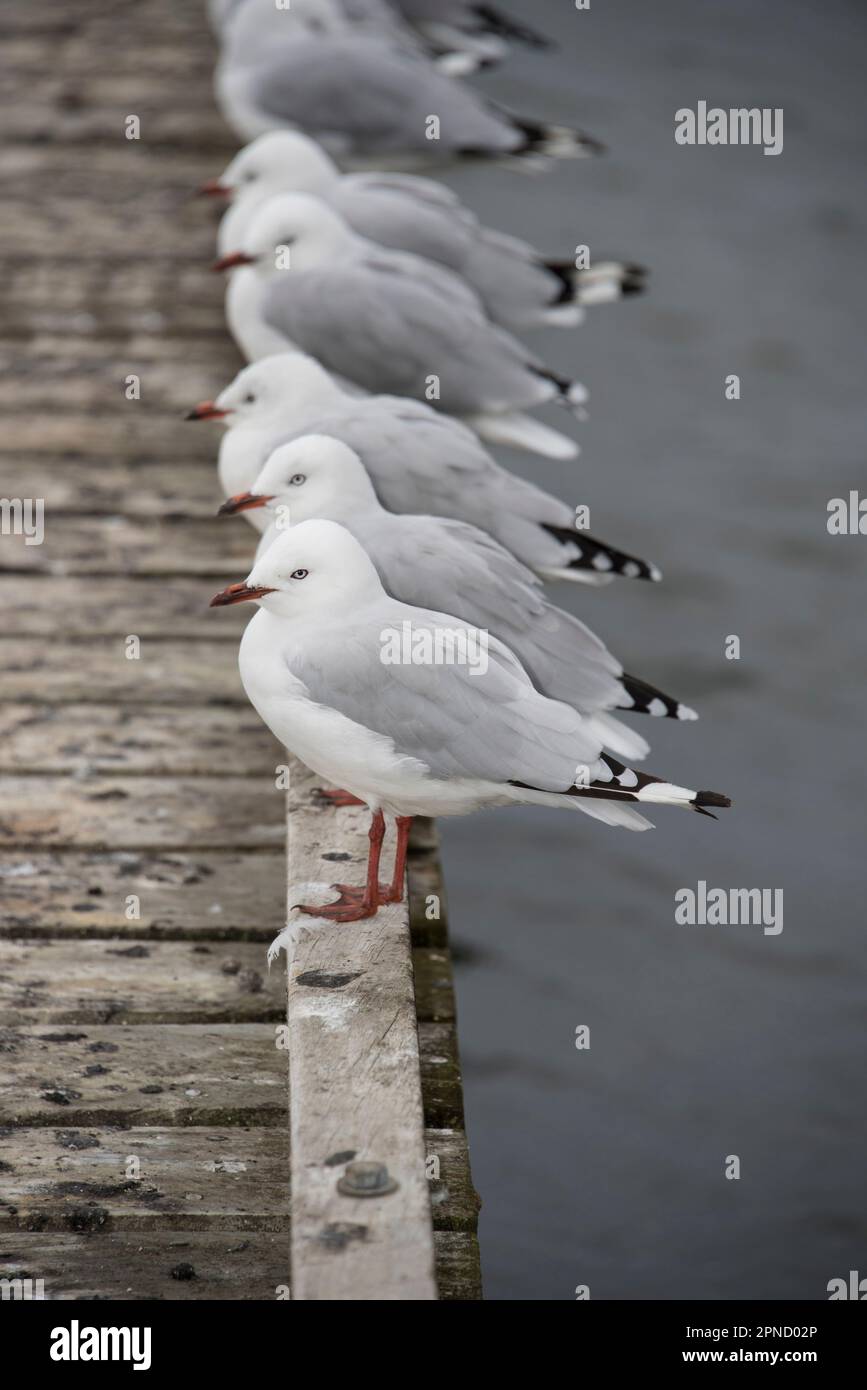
(522, 432)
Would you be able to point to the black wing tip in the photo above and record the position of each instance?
(622, 563)
(702, 799)
(539, 137)
(504, 27)
(632, 284)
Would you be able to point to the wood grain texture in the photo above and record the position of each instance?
(207, 1074)
(141, 813)
(152, 778)
(175, 1265)
(161, 740)
(168, 671)
(103, 981)
(198, 1177)
(212, 894)
(355, 1081)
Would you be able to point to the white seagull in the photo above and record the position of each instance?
(419, 461)
(367, 94)
(383, 320)
(451, 27)
(517, 285)
(451, 567)
(426, 734)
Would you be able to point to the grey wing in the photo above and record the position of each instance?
(418, 460)
(491, 724)
(510, 276)
(377, 96)
(446, 565)
(424, 462)
(398, 217)
(422, 190)
(385, 330)
(455, 568)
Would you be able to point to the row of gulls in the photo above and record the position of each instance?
(405, 647)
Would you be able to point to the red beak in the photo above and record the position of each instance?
(234, 258)
(206, 410)
(214, 189)
(237, 593)
(243, 502)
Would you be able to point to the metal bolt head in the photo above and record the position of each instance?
(366, 1178)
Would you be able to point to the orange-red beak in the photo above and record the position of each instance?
(243, 502)
(206, 410)
(237, 593)
(214, 189)
(234, 258)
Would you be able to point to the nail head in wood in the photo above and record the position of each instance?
(366, 1178)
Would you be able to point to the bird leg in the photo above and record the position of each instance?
(394, 893)
(355, 904)
(338, 798)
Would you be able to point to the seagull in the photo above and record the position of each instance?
(252, 31)
(451, 27)
(428, 734)
(518, 287)
(369, 97)
(419, 460)
(452, 567)
(383, 320)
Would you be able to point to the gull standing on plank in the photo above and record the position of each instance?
(455, 568)
(370, 98)
(518, 287)
(383, 320)
(418, 459)
(416, 736)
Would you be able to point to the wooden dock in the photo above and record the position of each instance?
(144, 1044)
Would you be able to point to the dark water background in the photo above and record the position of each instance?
(606, 1167)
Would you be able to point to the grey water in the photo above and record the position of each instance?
(606, 1166)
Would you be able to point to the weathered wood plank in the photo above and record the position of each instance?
(123, 297)
(185, 1074)
(31, 604)
(224, 1179)
(86, 373)
(167, 672)
(48, 175)
(57, 21)
(159, 740)
(157, 490)
(160, 1074)
(355, 1082)
(105, 545)
(176, 1265)
(141, 813)
(185, 1266)
(229, 894)
(142, 434)
(65, 112)
(459, 1276)
(194, 1178)
(97, 981)
(165, 225)
(428, 906)
(434, 987)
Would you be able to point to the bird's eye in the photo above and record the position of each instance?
(297, 479)
(250, 176)
(249, 399)
(298, 574)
